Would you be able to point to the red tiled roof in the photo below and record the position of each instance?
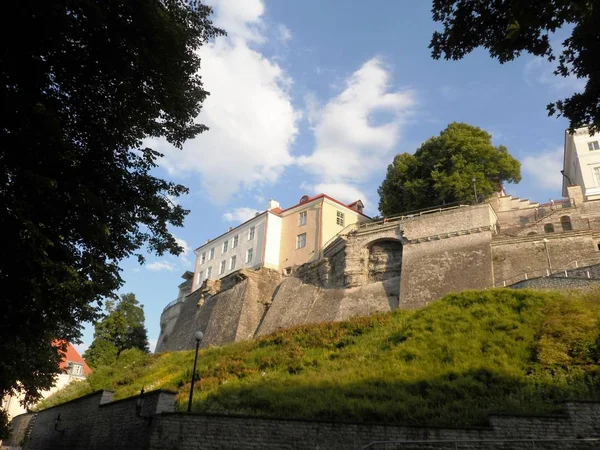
(316, 197)
(73, 355)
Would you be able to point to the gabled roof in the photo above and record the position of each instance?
(73, 356)
(320, 196)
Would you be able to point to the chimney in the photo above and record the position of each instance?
(575, 194)
(273, 204)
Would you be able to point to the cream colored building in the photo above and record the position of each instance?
(277, 238)
(581, 164)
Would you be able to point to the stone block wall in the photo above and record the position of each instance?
(148, 422)
(19, 426)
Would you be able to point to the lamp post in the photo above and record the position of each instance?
(475, 190)
(547, 256)
(198, 336)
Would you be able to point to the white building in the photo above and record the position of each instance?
(242, 247)
(581, 164)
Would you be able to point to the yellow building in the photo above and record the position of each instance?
(310, 225)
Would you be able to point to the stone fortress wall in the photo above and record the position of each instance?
(148, 421)
(401, 262)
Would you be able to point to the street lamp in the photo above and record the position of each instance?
(475, 190)
(547, 256)
(198, 336)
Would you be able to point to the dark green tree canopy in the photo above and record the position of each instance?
(442, 171)
(80, 90)
(509, 28)
(122, 328)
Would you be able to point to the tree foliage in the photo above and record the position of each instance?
(442, 170)
(82, 93)
(121, 329)
(508, 28)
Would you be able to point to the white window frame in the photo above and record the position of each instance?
(249, 255)
(302, 216)
(301, 240)
(593, 146)
(209, 272)
(251, 232)
(232, 262)
(596, 174)
(235, 241)
(203, 258)
(340, 219)
(199, 278)
(211, 254)
(224, 246)
(222, 267)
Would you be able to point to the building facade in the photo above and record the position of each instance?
(581, 164)
(277, 238)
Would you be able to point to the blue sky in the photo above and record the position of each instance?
(312, 96)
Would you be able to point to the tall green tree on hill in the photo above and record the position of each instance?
(82, 91)
(442, 170)
(121, 329)
(509, 28)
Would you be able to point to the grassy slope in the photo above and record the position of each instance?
(450, 363)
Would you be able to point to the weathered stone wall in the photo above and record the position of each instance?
(19, 426)
(433, 269)
(296, 303)
(91, 423)
(228, 311)
(513, 258)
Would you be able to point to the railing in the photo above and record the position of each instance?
(412, 214)
(468, 443)
(547, 273)
(174, 302)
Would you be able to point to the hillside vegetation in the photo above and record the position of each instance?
(450, 363)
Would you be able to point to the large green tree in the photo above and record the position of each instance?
(82, 89)
(509, 28)
(442, 170)
(122, 328)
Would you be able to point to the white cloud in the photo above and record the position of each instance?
(539, 70)
(346, 137)
(249, 111)
(357, 131)
(186, 251)
(343, 192)
(285, 34)
(240, 214)
(159, 265)
(545, 168)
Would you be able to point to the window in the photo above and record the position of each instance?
(208, 273)
(225, 244)
(565, 222)
(249, 255)
(203, 258)
(340, 219)
(301, 240)
(593, 146)
(199, 279)
(548, 228)
(597, 175)
(235, 241)
(251, 233)
(302, 218)
(222, 267)
(76, 369)
(211, 254)
(232, 263)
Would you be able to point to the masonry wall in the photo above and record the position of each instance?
(433, 269)
(513, 258)
(19, 425)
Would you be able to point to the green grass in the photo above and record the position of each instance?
(450, 363)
